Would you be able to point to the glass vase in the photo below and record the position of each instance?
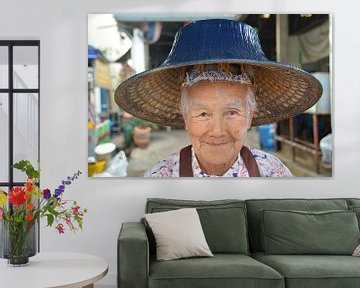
(18, 242)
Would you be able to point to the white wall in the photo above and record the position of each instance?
(62, 28)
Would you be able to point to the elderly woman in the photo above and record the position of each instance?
(217, 83)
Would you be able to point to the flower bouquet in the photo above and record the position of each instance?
(21, 208)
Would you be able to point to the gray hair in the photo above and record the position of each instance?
(249, 94)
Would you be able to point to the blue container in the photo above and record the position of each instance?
(267, 137)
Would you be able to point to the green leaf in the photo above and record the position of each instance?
(50, 219)
(79, 221)
(52, 211)
(22, 164)
(28, 168)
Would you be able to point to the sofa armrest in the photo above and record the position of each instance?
(133, 256)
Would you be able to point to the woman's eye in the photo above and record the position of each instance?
(203, 114)
(232, 113)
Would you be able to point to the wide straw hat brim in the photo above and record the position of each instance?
(281, 91)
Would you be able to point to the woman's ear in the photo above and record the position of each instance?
(250, 117)
(184, 117)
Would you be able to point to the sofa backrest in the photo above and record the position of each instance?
(223, 221)
(256, 205)
(353, 202)
(354, 205)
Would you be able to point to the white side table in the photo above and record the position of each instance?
(70, 270)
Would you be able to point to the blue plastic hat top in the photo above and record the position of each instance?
(215, 41)
(281, 90)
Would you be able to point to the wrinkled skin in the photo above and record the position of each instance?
(217, 121)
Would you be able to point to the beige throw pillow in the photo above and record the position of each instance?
(357, 251)
(178, 234)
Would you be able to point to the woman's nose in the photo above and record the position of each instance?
(217, 126)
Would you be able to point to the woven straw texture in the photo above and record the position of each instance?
(281, 91)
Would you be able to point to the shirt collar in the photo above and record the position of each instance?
(198, 172)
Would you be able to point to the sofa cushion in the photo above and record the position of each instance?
(356, 209)
(223, 221)
(254, 217)
(353, 201)
(313, 271)
(178, 234)
(222, 270)
(298, 232)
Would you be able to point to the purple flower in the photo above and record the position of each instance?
(46, 194)
(57, 193)
(68, 181)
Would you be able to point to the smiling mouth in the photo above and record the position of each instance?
(216, 144)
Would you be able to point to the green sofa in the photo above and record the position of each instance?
(277, 243)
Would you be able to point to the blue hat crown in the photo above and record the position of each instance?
(215, 40)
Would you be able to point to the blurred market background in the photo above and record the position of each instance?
(119, 46)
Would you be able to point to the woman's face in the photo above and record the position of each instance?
(217, 120)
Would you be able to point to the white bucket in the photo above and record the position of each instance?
(104, 152)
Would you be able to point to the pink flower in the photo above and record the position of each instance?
(60, 228)
(76, 210)
(68, 219)
(1, 212)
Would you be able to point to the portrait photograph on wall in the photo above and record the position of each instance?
(224, 95)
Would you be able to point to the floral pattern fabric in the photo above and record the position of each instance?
(269, 166)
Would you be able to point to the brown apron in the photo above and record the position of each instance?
(185, 169)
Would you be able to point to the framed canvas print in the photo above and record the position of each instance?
(226, 95)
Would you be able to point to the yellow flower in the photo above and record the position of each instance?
(3, 198)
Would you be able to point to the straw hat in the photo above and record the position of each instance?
(281, 90)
